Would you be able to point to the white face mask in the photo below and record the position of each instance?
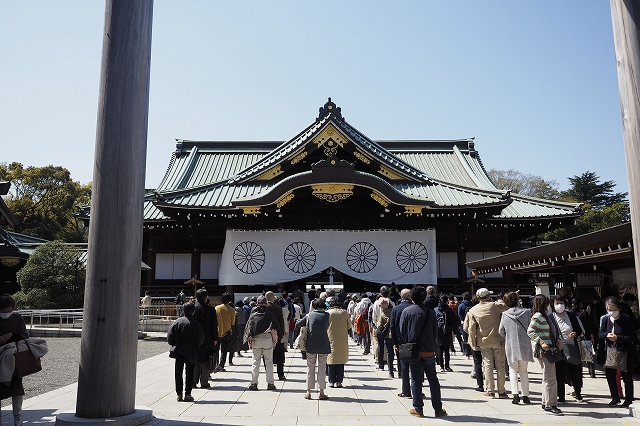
(614, 314)
(559, 308)
(5, 315)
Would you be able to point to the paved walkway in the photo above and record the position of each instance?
(368, 398)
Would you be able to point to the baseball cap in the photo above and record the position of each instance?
(483, 293)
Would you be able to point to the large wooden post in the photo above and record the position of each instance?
(625, 15)
(107, 378)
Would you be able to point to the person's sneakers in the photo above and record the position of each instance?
(490, 394)
(180, 398)
(282, 378)
(442, 370)
(473, 374)
(579, 398)
(323, 397)
(188, 398)
(307, 395)
(562, 401)
(449, 369)
(626, 403)
(614, 402)
(253, 386)
(441, 413)
(405, 395)
(416, 413)
(503, 395)
(516, 399)
(479, 389)
(271, 386)
(526, 400)
(332, 385)
(555, 411)
(339, 384)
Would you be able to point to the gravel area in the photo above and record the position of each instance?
(60, 365)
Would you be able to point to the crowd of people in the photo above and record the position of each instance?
(410, 333)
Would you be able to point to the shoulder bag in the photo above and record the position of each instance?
(616, 359)
(409, 351)
(26, 362)
(553, 354)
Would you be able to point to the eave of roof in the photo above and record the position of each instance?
(605, 242)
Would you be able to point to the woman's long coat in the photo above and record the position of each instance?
(339, 324)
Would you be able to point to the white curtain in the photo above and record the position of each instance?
(275, 256)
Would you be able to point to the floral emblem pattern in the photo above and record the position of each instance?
(362, 257)
(411, 257)
(249, 257)
(299, 257)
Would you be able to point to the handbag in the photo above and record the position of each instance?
(274, 336)
(409, 351)
(26, 362)
(572, 353)
(301, 340)
(586, 350)
(554, 354)
(616, 359)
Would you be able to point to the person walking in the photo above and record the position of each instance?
(396, 339)
(617, 333)
(276, 308)
(383, 335)
(544, 338)
(513, 327)
(258, 335)
(241, 322)
(361, 322)
(590, 332)
(185, 336)
(418, 325)
(484, 321)
(205, 315)
(226, 316)
(448, 325)
(338, 332)
(570, 330)
(318, 347)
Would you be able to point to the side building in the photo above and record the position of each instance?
(328, 206)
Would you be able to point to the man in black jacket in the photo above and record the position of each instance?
(418, 325)
(205, 315)
(396, 338)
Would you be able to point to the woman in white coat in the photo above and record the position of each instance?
(513, 327)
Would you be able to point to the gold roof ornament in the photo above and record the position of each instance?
(332, 192)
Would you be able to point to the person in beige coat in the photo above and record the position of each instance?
(339, 325)
(484, 336)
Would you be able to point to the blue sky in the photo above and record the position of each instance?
(534, 82)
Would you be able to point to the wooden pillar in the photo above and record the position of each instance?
(625, 15)
(107, 378)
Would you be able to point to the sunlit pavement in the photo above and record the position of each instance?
(369, 397)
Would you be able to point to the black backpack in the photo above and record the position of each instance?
(441, 318)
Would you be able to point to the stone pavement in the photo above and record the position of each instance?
(368, 398)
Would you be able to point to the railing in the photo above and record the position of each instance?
(155, 317)
(52, 318)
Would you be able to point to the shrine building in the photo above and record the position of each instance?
(330, 205)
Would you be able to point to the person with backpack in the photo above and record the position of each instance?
(362, 322)
(447, 326)
(383, 335)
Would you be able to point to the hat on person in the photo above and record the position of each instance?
(245, 300)
(330, 300)
(483, 293)
(262, 301)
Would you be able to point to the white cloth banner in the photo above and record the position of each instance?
(276, 256)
